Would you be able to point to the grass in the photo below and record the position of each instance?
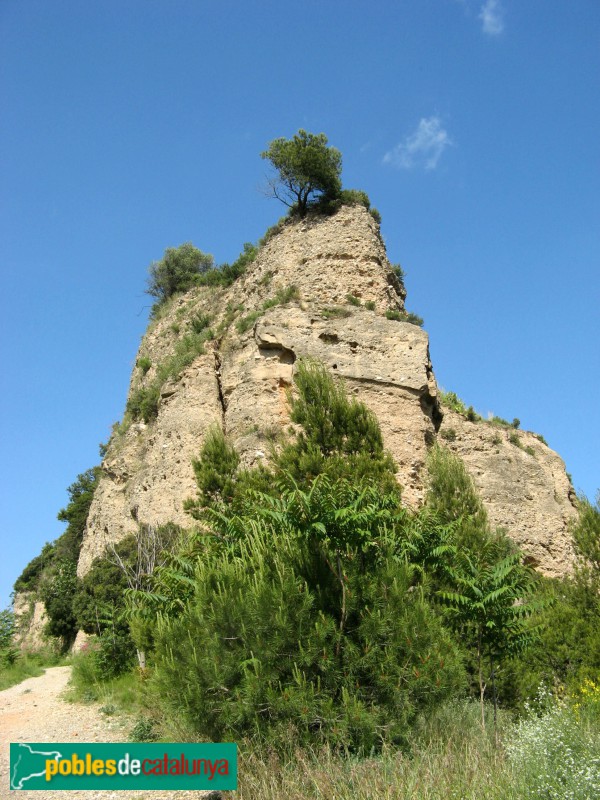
(335, 312)
(143, 403)
(404, 316)
(554, 755)
(281, 298)
(121, 695)
(27, 665)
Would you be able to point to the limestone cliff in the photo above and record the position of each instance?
(241, 382)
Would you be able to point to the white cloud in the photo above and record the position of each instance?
(492, 17)
(423, 148)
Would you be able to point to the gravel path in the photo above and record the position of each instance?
(33, 711)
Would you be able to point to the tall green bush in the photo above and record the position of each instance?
(306, 624)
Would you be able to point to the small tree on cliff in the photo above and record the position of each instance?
(177, 271)
(306, 170)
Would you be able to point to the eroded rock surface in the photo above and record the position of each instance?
(242, 380)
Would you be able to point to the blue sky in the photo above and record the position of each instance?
(130, 126)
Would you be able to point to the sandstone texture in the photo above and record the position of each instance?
(243, 379)
(523, 485)
(30, 616)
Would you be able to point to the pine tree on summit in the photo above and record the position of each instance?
(307, 170)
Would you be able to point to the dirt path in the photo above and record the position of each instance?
(34, 711)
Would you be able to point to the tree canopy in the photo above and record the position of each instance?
(307, 169)
(177, 271)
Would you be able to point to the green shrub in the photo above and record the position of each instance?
(335, 312)
(282, 297)
(362, 656)
(143, 363)
(449, 434)
(28, 580)
(273, 230)
(399, 274)
(453, 401)
(143, 402)
(353, 300)
(177, 271)
(472, 415)
(245, 323)
(143, 731)
(57, 591)
(513, 438)
(355, 197)
(370, 305)
(339, 435)
(376, 215)
(214, 471)
(404, 316)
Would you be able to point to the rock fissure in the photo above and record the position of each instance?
(220, 393)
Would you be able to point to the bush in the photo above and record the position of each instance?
(453, 401)
(556, 755)
(245, 323)
(57, 592)
(144, 401)
(363, 652)
(200, 322)
(404, 316)
(335, 312)
(105, 657)
(376, 215)
(177, 271)
(144, 363)
(353, 300)
(449, 434)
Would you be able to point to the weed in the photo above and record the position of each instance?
(449, 434)
(404, 316)
(370, 305)
(144, 364)
(200, 322)
(353, 300)
(245, 323)
(143, 731)
(335, 312)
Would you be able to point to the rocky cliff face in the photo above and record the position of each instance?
(242, 379)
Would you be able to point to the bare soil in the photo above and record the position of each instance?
(36, 711)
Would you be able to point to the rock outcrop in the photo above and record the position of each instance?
(30, 618)
(344, 285)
